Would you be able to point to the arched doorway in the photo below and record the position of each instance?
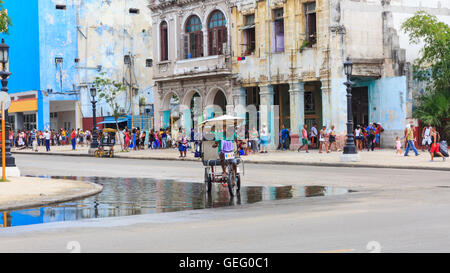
(170, 107)
(196, 109)
(221, 101)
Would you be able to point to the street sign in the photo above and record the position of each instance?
(5, 99)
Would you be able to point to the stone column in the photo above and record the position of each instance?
(326, 104)
(268, 113)
(239, 101)
(297, 101)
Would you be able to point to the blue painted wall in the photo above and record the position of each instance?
(389, 99)
(57, 38)
(23, 40)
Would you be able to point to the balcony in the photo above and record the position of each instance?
(195, 67)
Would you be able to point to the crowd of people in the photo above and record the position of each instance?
(34, 138)
(366, 137)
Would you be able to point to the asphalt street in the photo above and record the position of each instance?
(392, 211)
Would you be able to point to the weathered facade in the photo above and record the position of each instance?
(192, 60)
(42, 48)
(59, 46)
(115, 37)
(300, 50)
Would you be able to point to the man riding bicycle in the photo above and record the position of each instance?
(225, 147)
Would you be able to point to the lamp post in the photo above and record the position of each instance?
(94, 143)
(4, 74)
(350, 152)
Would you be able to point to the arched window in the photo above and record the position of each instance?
(217, 33)
(164, 42)
(193, 38)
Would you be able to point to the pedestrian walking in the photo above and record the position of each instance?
(151, 139)
(435, 137)
(332, 139)
(157, 143)
(182, 145)
(284, 134)
(253, 137)
(73, 139)
(127, 139)
(34, 137)
(304, 139)
(398, 146)
(322, 139)
(47, 137)
(314, 136)
(410, 140)
(371, 137)
(426, 137)
(264, 134)
(358, 137)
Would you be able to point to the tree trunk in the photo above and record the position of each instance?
(120, 136)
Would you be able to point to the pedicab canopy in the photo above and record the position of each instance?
(221, 118)
(218, 123)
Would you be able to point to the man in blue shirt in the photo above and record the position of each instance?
(284, 136)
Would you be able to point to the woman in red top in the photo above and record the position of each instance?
(73, 138)
(127, 139)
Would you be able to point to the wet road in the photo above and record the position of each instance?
(402, 210)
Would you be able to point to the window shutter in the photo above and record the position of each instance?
(223, 40)
(210, 42)
(200, 44)
(192, 45)
(185, 43)
(164, 45)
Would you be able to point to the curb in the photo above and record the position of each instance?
(53, 200)
(272, 162)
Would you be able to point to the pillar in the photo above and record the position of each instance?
(326, 103)
(268, 113)
(297, 100)
(239, 101)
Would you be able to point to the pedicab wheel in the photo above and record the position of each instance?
(208, 183)
(238, 182)
(96, 153)
(100, 153)
(231, 181)
(111, 154)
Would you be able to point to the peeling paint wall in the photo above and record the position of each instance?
(107, 32)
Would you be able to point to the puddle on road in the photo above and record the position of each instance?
(134, 196)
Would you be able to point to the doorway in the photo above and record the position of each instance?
(360, 105)
(282, 99)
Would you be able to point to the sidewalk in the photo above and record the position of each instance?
(26, 192)
(385, 158)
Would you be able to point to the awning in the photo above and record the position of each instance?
(112, 121)
(23, 105)
(247, 27)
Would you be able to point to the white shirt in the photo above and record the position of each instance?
(263, 132)
(47, 135)
(313, 131)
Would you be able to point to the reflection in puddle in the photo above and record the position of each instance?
(134, 196)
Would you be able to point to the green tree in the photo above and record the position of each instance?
(109, 90)
(5, 20)
(432, 68)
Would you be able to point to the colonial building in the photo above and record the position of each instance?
(290, 53)
(192, 60)
(59, 46)
(115, 37)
